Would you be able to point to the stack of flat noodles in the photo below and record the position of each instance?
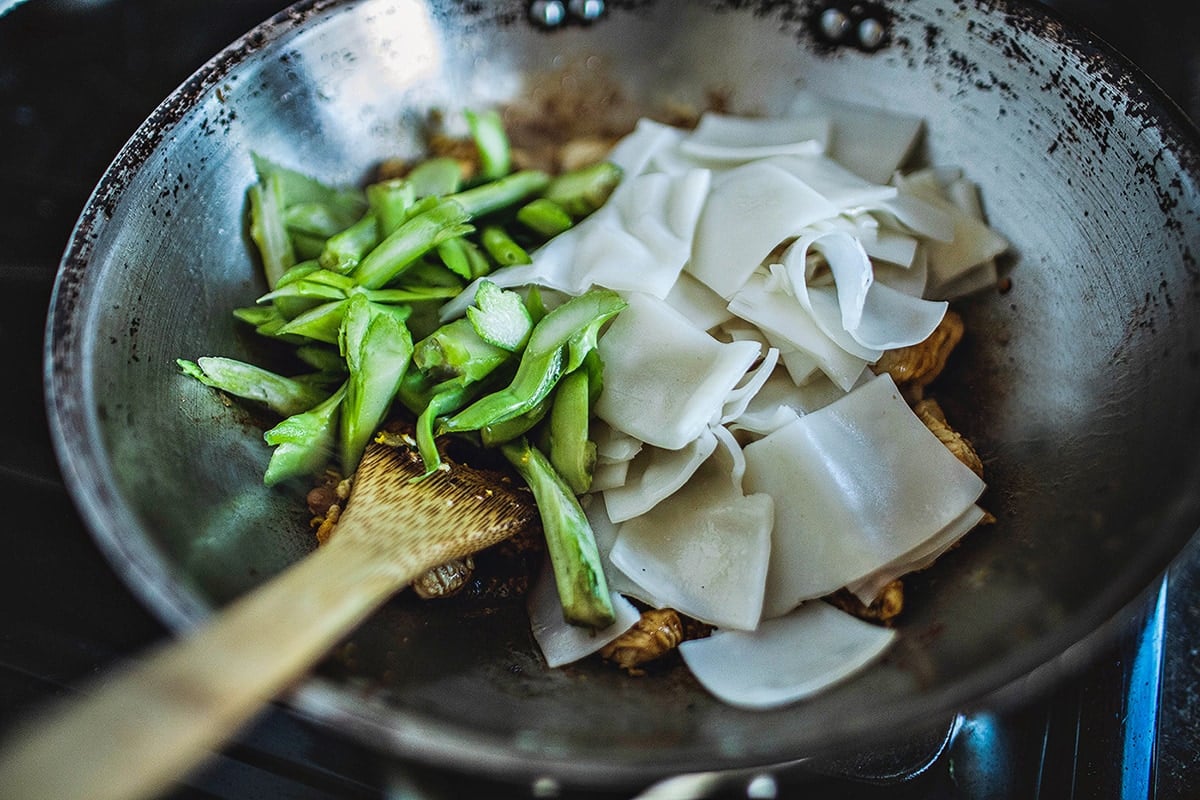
(767, 263)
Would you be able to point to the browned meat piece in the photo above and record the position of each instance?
(323, 494)
(583, 152)
(445, 580)
(326, 501)
(914, 367)
(656, 633)
(885, 608)
(931, 414)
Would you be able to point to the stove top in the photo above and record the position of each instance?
(76, 78)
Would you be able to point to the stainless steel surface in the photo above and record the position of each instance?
(1081, 384)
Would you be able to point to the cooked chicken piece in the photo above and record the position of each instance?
(326, 501)
(932, 415)
(884, 608)
(445, 580)
(584, 152)
(914, 367)
(656, 633)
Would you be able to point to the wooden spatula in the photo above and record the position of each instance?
(137, 730)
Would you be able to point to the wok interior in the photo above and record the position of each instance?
(1080, 386)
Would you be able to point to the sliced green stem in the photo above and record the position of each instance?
(410, 241)
(578, 574)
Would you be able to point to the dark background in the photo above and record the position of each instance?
(76, 78)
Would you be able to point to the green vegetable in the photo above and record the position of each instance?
(447, 398)
(571, 452)
(304, 442)
(582, 191)
(307, 282)
(455, 350)
(284, 199)
(464, 258)
(491, 140)
(345, 251)
(268, 230)
(500, 317)
(325, 359)
(557, 345)
(502, 247)
(500, 194)
(319, 324)
(391, 201)
(497, 434)
(316, 219)
(377, 347)
(284, 396)
(544, 217)
(298, 188)
(582, 588)
(420, 234)
(436, 177)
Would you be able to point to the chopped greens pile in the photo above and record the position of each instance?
(356, 279)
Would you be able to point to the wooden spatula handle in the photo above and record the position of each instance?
(141, 728)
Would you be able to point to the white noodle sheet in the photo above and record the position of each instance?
(856, 484)
(704, 307)
(790, 326)
(750, 211)
(605, 532)
(871, 142)
(664, 380)
(875, 317)
(786, 659)
(867, 589)
(655, 474)
(702, 551)
(722, 139)
(560, 642)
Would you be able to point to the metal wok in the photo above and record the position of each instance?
(1080, 385)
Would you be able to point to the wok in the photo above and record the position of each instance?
(1080, 384)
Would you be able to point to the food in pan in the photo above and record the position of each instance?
(706, 349)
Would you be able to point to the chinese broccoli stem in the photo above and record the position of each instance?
(455, 350)
(578, 574)
(420, 234)
(435, 177)
(320, 324)
(268, 230)
(544, 217)
(304, 442)
(502, 247)
(464, 258)
(571, 452)
(452, 396)
(543, 361)
(316, 220)
(497, 434)
(499, 194)
(491, 140)
(344, 251)
(285, 396)
(377, 347)
(390, 201)
(500, 317)
(582, 191)
(297, 188)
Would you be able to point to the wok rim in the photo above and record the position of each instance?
(394, 732)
